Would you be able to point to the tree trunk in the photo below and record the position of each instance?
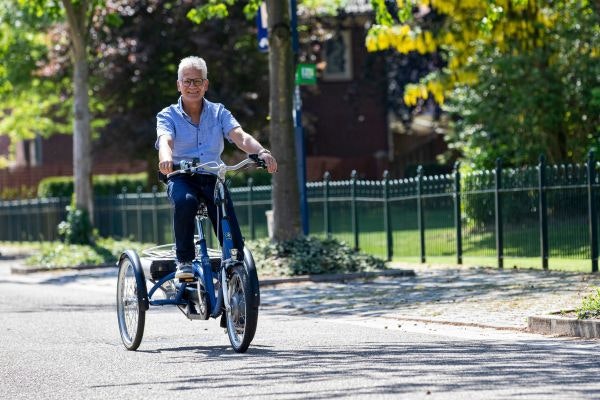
(82, 154)
(285, 195)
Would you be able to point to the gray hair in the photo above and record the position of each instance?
(193, 62)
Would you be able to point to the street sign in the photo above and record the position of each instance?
(262, 26)
(306, 74)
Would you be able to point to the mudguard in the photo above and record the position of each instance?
(253, 276)
(139, 276)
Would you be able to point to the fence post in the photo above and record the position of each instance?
(354, 209)
(326, 222)
(3, 223)
(543, 211)
(8, 221)
(38, 219)
(123, 215)
(28, 215)
(457, 212)
(155, 214)
(138, 213)
(420, 217)
(592, 211)
(498, 209)
(250, 209)
(387, 222)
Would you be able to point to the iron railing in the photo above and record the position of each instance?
(538, 212)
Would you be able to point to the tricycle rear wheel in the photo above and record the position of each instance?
(131, 301)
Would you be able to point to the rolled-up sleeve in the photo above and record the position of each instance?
(164, 126)
(228, 122)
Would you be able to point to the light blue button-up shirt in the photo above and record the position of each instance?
(203, 141)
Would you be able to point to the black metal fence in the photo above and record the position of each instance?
(537, 213)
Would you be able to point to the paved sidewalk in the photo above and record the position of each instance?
(485, 297)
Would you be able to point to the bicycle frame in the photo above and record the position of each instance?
(209, 292)
(202, 267)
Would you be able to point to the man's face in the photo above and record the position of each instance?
(192, 85)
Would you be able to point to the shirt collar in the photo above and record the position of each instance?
(181, 110)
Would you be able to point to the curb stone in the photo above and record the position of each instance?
(564, 326)
(456, 323)
(21, 270)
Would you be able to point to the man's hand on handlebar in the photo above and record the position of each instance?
(165, 167)
(269, 161)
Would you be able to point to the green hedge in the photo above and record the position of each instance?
(260, 177)
(22, 192)
(62, 186)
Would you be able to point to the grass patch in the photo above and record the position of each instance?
(310, 255)
(60, 255)
(590, 306)
(554, 264)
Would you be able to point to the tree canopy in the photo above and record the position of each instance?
(520, 77)
(31, 103)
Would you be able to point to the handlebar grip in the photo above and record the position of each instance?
(260, 163)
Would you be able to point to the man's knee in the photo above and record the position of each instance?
(185, 203)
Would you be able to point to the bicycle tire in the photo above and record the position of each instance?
(242, 316)
(253, 275)
(131, 300)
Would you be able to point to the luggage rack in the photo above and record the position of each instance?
(158, 261)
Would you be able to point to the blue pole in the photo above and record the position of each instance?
(299, 134)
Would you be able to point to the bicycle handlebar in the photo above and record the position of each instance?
(191, 167)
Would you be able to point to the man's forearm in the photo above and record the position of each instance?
(248, 144)
(165, 150)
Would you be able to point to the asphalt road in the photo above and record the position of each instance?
(59, 340)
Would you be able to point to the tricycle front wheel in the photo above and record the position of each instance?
(242, 315)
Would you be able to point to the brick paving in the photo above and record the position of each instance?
(465, 296)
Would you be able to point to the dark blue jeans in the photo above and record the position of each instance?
(185, 193)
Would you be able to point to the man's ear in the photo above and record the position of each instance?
(177, 83)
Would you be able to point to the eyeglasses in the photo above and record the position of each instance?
(196, 82)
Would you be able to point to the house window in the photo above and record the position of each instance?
(338, 57)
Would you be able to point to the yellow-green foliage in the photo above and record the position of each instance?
(509, 26)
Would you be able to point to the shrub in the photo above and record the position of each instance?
(61, 255)
(22, 192)
(62, 186)
(310, 255)
(77, 229)
(259, 176)
(517, 204)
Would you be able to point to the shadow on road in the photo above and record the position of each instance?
(443, 366)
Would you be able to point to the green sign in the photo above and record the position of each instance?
(306, 74)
